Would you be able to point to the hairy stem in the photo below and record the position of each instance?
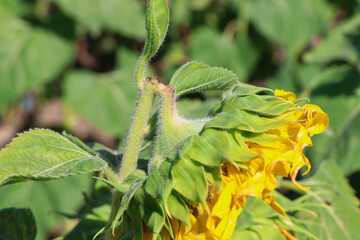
(133, 143)
(137, 129)
(140, 68)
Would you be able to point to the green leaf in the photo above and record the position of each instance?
(197, 77)
(342, 43)
(237, 54)
(29, 57)
(159, 183)
(106, 100)
(189, 180)
(42, 154)
(277, 20)
(125, 17)
(17, 224)
(157, 22)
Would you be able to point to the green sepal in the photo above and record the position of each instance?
(262, 105)
(177, 208)
(189, 180)
(125, 200)
(122, 188)
(260, 138)
(240, 89)
(125, 186)
(151, 211)
(169, 227)
(133, 213)
(134, 177)
(215, 146)
(243, 120)
(159, 183)
(213, 176)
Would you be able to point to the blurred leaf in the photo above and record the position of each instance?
(339, 217)
(17, 224)
(123, 16)
(316, 79)
(92, 219)
(42, 154)
(209, 46)
(17, 7)
(126, 60)
(46, 199)
(291, 23)
(180, 12)
(106, 100)
(342, 43)
(258, 231)
(339, 97)
(28, 56)
(197, 77)
(200, 4)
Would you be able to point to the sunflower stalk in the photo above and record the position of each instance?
(137, 129)
(171, 129)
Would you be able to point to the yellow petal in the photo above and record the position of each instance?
(285, 95)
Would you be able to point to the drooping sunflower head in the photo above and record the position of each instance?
(252, 141)
(252, 137)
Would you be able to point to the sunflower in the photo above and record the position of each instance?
(282, 157)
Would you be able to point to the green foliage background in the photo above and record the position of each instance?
(84, 52)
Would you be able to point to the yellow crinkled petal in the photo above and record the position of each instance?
(285, 95)
(317, 120)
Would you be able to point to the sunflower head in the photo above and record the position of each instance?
(252, 137)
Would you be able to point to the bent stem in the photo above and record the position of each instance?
(137, 129)
(133, 143)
